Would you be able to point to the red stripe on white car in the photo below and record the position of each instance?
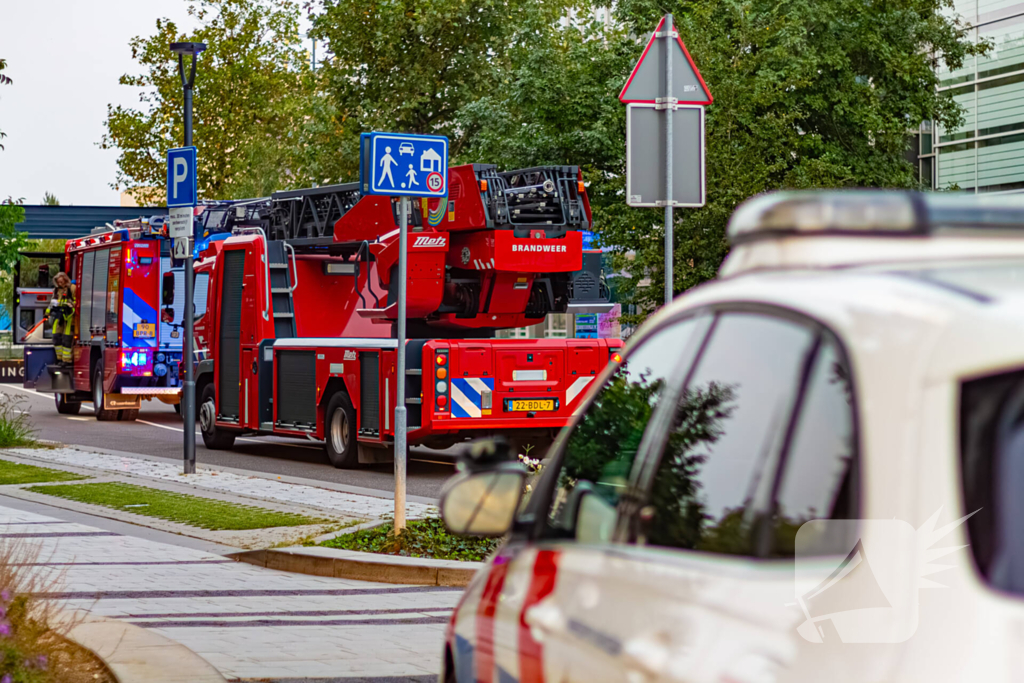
(484, 657)
(531, 654)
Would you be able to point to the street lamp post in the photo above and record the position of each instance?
(188, 410)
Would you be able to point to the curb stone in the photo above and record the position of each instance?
(352, 564)
(351, 530)
(138, 655)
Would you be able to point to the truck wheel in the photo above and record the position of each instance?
(66, 407)
(215, 438)
(102, 414)
(128, 415)
(340, 437)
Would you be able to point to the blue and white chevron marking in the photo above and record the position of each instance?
(135, 310)
(466, 391)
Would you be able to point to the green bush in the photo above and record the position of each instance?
(15, 429)
(422, 538)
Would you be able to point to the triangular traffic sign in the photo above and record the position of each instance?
(647, 81)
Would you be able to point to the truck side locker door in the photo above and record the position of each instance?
(252, 299)
(107, 311)
(229, 343)
(368, 417)
(84, 301)
(249, 387)
(98, 329)
(113, 297)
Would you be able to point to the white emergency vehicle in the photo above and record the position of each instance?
(810, 469)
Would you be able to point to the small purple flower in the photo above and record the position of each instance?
(5, 595)
(41, 661)
(6, 679)
(5, 630)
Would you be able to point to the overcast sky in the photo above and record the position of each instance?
(65, 57)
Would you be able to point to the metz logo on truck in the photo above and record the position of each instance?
(424, 241)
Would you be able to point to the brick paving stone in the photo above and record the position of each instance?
(243, 619)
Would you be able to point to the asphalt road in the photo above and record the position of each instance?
(158, 432)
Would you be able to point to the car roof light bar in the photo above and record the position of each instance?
(873, 212)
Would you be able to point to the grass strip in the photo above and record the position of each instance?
(422, 538)
(204, 513)
(17, 473)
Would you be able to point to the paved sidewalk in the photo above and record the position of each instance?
(248, 622)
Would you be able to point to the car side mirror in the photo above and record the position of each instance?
(587, 515)
(167, 294)
(483, 503)
(595, 518)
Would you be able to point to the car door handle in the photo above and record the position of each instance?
(647, 654)
(545, 619)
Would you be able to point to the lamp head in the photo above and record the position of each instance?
(187, 48)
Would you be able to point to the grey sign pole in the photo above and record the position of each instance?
(400, 440)
(665, 158)
(188, 390)
(668, 35)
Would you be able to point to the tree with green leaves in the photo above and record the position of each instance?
(808, 94)
(412, 65)
(250, 99)
(4, 80)
(11, 242)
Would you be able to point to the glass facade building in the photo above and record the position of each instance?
(986, 153)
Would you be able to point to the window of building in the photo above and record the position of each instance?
(986, 153)
(555, 326)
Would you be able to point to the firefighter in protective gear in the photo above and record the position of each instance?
(61, 312)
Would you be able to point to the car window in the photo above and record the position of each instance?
(598, 455)
(819, 474)
(992, 465)
(715, 472)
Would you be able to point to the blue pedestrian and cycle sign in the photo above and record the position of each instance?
(181, 176)
(403, 165)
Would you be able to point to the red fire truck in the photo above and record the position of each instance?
(127, 345)
(298, 333)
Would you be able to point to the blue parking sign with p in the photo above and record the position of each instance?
(181, 177)
(397, 164)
